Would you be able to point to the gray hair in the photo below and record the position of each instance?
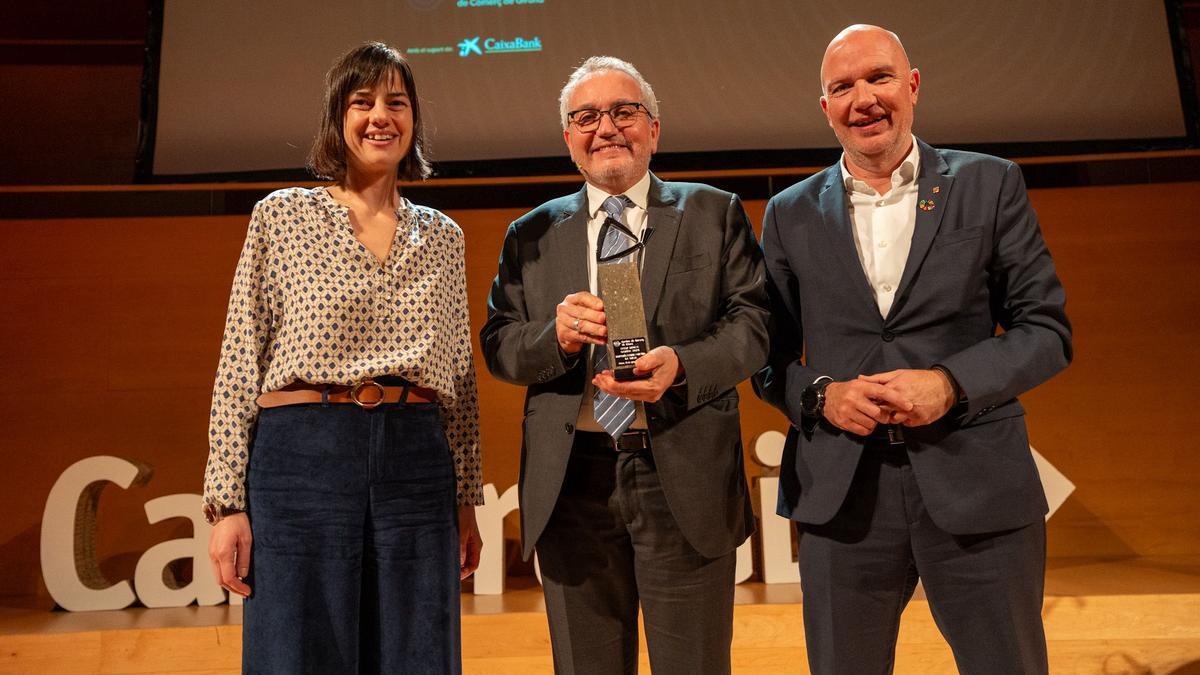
(600, 64)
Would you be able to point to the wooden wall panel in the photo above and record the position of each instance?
(75, 123)
(112, 329)
(1117, 422)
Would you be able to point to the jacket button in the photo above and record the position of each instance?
(888, 336)
(569, 428)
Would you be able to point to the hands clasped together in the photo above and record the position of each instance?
(910, 397)
(580, 321)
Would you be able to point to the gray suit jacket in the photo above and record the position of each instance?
(703, 292)
(977, 261)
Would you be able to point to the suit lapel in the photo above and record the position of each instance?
(662, 216)
(570, 239)
(933, 193)
(835, 212)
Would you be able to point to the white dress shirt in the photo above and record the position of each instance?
(883, 226)
(635, 220)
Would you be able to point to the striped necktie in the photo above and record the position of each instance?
(613, 413)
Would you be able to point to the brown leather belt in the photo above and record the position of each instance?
(365, 394)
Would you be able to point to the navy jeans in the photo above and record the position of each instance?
(354, 566)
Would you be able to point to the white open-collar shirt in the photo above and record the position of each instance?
(883, 226)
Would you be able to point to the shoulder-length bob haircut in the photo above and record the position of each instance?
(365, 66)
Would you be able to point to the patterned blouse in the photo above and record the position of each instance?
(311, 303)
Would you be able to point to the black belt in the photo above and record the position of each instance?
(630, 441)
(887, 434)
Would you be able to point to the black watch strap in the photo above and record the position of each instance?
(812, 400)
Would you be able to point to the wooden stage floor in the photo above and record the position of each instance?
(1135, 616)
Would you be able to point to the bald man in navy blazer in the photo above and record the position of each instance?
(908, 456)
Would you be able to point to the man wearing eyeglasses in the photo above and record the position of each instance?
(632, 491)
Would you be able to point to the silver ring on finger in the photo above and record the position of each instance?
(575, 326)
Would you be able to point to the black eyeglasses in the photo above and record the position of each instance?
(635, 247)
(622, 115)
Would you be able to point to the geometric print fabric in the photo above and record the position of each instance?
(311, 303)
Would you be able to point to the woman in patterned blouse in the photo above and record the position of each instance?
(345, 428)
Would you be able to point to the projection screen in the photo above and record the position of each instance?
(239, 83)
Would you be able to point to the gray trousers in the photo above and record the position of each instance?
(859, 570)
(612, 543)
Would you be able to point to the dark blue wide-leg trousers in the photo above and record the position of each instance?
(354, 565)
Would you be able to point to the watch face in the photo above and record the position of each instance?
(808, 399)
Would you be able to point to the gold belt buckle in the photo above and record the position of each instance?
(367, 405)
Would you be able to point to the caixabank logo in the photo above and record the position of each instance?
(482, 46)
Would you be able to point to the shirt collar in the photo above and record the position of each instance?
(639, 194)
(904, 174)
(322, 192)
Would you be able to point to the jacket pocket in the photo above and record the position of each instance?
(956, 236)
(688, 263)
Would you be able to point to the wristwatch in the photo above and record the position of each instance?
(812, 399)
(213, 513)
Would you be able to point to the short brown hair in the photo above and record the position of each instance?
(366, 66)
